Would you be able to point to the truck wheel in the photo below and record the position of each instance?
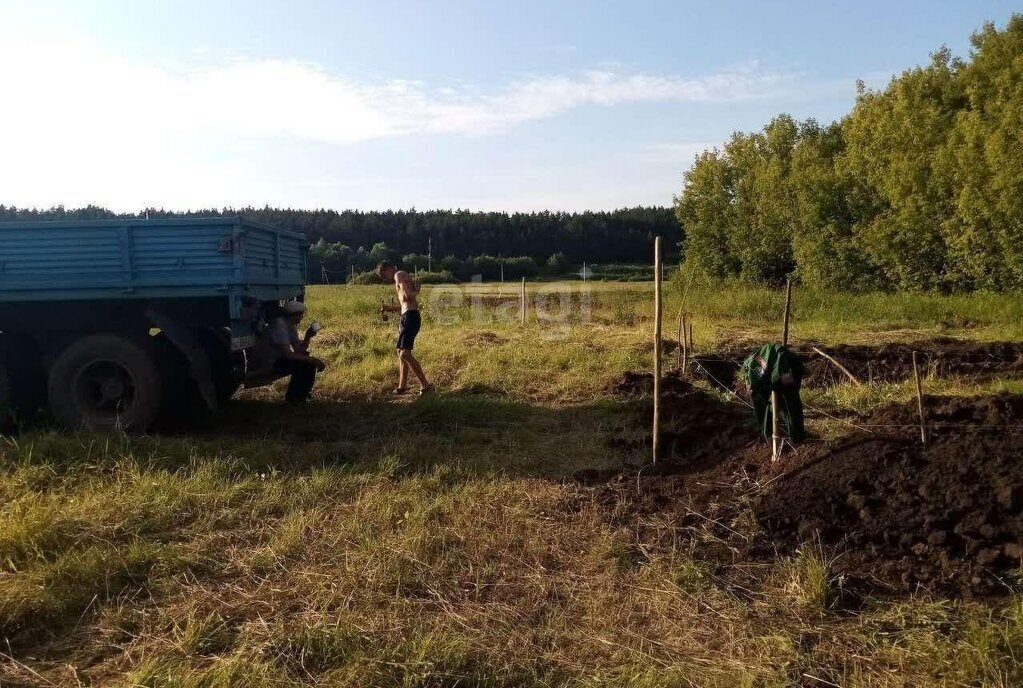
(105, 382)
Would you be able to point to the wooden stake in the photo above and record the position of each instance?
(522, 303)
(776, 439)
(920, 401)
(788, 311)
(656, 442)
(680, 350)
(838, 365)
(775, 435)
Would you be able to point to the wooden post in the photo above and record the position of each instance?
(788, 311)
(656, 442)
(776, 438)
(920, 401)
(680, 352)
(522, 303)
(775, 435)
(852, 378)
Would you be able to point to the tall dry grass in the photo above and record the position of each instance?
(442, 542)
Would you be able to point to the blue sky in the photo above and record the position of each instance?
(485, 105)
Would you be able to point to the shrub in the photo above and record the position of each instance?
(368, 277)
(441, 277)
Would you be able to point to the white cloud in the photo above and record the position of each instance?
(75, 87)
(547, 96)
(78, 125)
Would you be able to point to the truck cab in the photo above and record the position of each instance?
(115, 323)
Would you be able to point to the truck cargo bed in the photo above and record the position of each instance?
(167, 258)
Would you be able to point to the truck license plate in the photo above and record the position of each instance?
(244, 342)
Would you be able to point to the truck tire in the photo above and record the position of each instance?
(105, 382)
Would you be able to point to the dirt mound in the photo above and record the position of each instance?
(634, 385)
(697, 427)
(895, 515)
(941, 357)
(885, 363)
(948, 515)
(997, 413)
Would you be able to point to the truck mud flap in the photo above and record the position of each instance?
(198, 362)
(6, 397)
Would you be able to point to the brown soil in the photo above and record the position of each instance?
(695, 423)
(894, 515)
(884, 363)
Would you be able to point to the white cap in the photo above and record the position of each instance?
(294, 307)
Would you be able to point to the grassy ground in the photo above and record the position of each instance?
(441, 541)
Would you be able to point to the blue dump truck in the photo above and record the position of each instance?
(114, 324)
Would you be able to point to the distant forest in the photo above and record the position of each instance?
(461, 240)
(920, 187)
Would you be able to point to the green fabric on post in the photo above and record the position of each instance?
(775, 368)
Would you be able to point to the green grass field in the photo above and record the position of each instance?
(367, 541)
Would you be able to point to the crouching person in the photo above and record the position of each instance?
(291, 352)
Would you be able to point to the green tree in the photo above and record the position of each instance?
(826, 249)
(892, 140)
(705, 209)
(917, 188)
(985, 235)
(557, 264)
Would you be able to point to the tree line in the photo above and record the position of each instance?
(919, 187)
(334, 263)
(463, 242)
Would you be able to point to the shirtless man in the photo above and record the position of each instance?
(408, 324)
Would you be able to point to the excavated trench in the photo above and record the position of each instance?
(942, 357)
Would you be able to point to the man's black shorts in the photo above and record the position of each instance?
(408, 328)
